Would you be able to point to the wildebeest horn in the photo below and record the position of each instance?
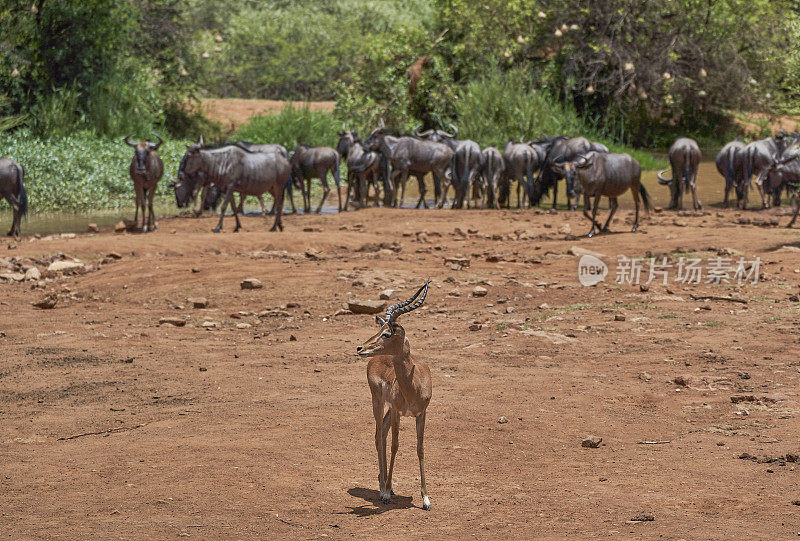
(128, 142)
(421, 134)
(397, 310)
(383, 124)
(455, 130)
(662, 179)
(201, 140)
(344, 128)
(155, 146)
(582, 161)
(451, 135)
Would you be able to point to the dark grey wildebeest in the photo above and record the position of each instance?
(492, 170)
(364, 168)
(727, 160)
(315, 162)
(784, 172)
(465, 166)
(605, 174)
(234, 169)
(12, 189)
(560, 149)
(410, 155)
(758, 158)
(521, 161)
(684, 159)
(146, 170)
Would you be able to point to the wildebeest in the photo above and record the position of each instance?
(465, 166)
(12, 189)
(315, 162)
(684, 159)
(785, 172)
(758, 158)
(521, 160)
(726, 165)
(492, 170)
(146, 170)
(234, 169)
(363, 168)
(409, 155)
(601, 173)
(559, 149)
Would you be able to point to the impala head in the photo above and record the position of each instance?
(391, 336)
(143, 148)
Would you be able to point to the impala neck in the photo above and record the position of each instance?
(403, 365)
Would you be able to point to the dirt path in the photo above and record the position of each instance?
(266, 431)
(232, 113)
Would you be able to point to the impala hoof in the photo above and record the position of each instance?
(426, 503)
(385, 498)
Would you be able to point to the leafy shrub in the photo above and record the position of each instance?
(81, 172)
(292, 126)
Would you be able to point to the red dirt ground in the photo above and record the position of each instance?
(267, 431)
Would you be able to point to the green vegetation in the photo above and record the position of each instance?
(292, 126)
(81, 172)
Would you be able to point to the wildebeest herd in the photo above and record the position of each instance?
(379, 167)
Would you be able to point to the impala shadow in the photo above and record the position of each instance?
(375, 507)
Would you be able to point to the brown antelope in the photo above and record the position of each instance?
(396, 380)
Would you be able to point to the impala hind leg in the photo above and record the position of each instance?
(426, 502)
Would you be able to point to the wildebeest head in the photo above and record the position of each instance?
(143, 149)
(347, 139)
(568, 170)
(183, 186)
(373, 142)
(437, 136)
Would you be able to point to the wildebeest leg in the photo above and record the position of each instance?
(278, 195)
(612, 201)
(228, 201)
(306, 194)
(594, 214)
(695, 199)
(151, 219)
(635, 188)
(325, 191)
(338, 183)
(422, 191)
(443, 192)
(796, 205)
(236, 216)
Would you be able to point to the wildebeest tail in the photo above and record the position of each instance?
(645, 197)
(22, 196)
(687, 170)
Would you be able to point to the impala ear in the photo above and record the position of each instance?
(380, 321)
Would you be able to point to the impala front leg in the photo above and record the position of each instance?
(395, 421)
(381, 431)
(426, 502)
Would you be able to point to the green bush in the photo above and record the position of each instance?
(81, 172)
(292, 126)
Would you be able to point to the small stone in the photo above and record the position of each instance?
(475, 327)
(502, 420)
(577, 251)
(203, 369)
(198, 302)
(13, 276)
(644, 288)
(251, 283)
(619, 317)
(209, 324)
(680, 223)
(643, 517)
(366, 307)
(174, 321)
(114, 255)
(33, 274)
(120, 227)
(243, 326)
(645, 376)
(66, 267)
(195, 270)
(591, 442)
(93, 228)
(47, 303)
(386, 294)
(565, 229)
(292, 338)
(479, 291)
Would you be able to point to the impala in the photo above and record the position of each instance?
(397, 380)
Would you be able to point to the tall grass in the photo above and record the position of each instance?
(503, 106)
(292, 126)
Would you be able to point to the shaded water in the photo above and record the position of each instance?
(710, 188)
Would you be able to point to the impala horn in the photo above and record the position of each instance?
(397, 310)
